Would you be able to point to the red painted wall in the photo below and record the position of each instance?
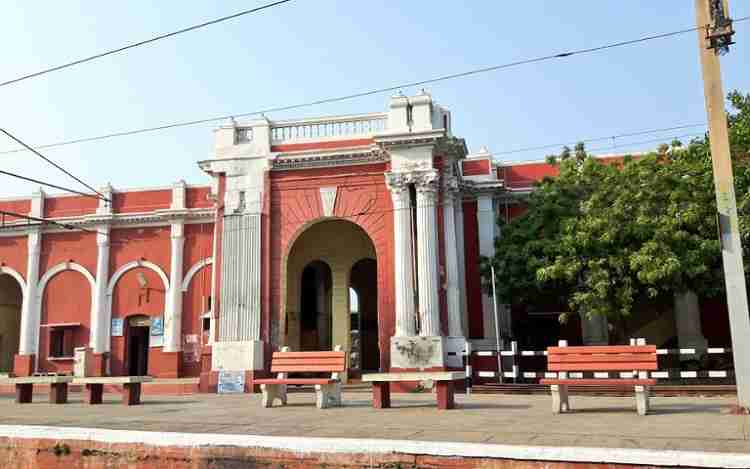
(141, 201)
(295, 201)
(473, 282)
(17, 206)
(13, 252)
(60, 306)
(322, 145)
(55, 207)
(197, 197)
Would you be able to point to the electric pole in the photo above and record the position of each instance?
(714, 38)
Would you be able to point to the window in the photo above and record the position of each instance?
(60, 342)
(206, 324)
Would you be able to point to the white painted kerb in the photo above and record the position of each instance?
(372, 446)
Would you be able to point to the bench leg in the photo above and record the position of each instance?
(131, 393)
(381, 395)
(24, 393)
(94, 392)
(328, 395)
(58, 393)
(445, 395)
(271, 392)
(641, 399)
(560, 402)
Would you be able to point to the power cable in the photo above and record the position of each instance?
(368, 92)
(48, 184)
(141, 43)
(16, 139)
(596, 139)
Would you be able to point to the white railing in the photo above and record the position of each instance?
(512, 365)
(328, 127)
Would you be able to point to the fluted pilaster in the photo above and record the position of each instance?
(427, 254)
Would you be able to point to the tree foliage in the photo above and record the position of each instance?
(605, 236)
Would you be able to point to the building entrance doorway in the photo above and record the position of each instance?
(11, 297)
(137, 345)
(364, 282)
(315, 307)
(319, 268)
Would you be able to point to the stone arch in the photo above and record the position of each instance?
(133, 265)
(13, 273)
(194, 270)
(111, 287)
(61, 267)
(11, 300)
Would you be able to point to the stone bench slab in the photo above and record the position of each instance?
(40, 380)
(414, 376)
(113, 380)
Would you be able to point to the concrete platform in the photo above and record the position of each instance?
(701, 425)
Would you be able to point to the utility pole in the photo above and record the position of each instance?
(714, 38)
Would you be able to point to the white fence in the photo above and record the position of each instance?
(512, 364)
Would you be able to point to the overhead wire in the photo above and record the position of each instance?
(99, 195)
(370, 92)
(141, 43)
(48, 184)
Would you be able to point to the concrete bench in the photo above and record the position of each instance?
(327, 390)
(381, 385)
(58, 387)
(638, 359)
(131, 387)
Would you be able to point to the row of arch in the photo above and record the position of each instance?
(63, 266)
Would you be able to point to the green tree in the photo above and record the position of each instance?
(606, 237)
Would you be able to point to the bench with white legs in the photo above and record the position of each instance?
(637, 359)
(131, 387)
(327, 389)
(58, 387)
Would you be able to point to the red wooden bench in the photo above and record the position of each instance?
(638, 359)
(327, 389)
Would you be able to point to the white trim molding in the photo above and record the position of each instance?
(194, 270)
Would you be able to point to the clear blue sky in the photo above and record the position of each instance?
(311, 49)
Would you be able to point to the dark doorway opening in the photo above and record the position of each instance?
(364, 281)
(138, 337)
(315, 307)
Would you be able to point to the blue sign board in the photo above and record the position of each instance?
(157, 326)
(231, 382)
(117, 324)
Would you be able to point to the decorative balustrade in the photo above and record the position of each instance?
(331, 127)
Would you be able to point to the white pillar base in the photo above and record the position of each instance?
(421, 352)
(237, 355)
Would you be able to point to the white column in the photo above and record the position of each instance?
(595, 330)
(486, 225)
(455, 326)
(98, 336)
(173, 317)
(427, 256)
(459, 223)
(403, 255)
(687, 316)
(30, 313)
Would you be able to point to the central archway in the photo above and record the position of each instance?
(318, 273)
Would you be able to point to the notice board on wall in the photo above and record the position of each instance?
(231, 382)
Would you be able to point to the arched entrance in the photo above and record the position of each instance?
(364, 282)
(318, 270)
(11, 297)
